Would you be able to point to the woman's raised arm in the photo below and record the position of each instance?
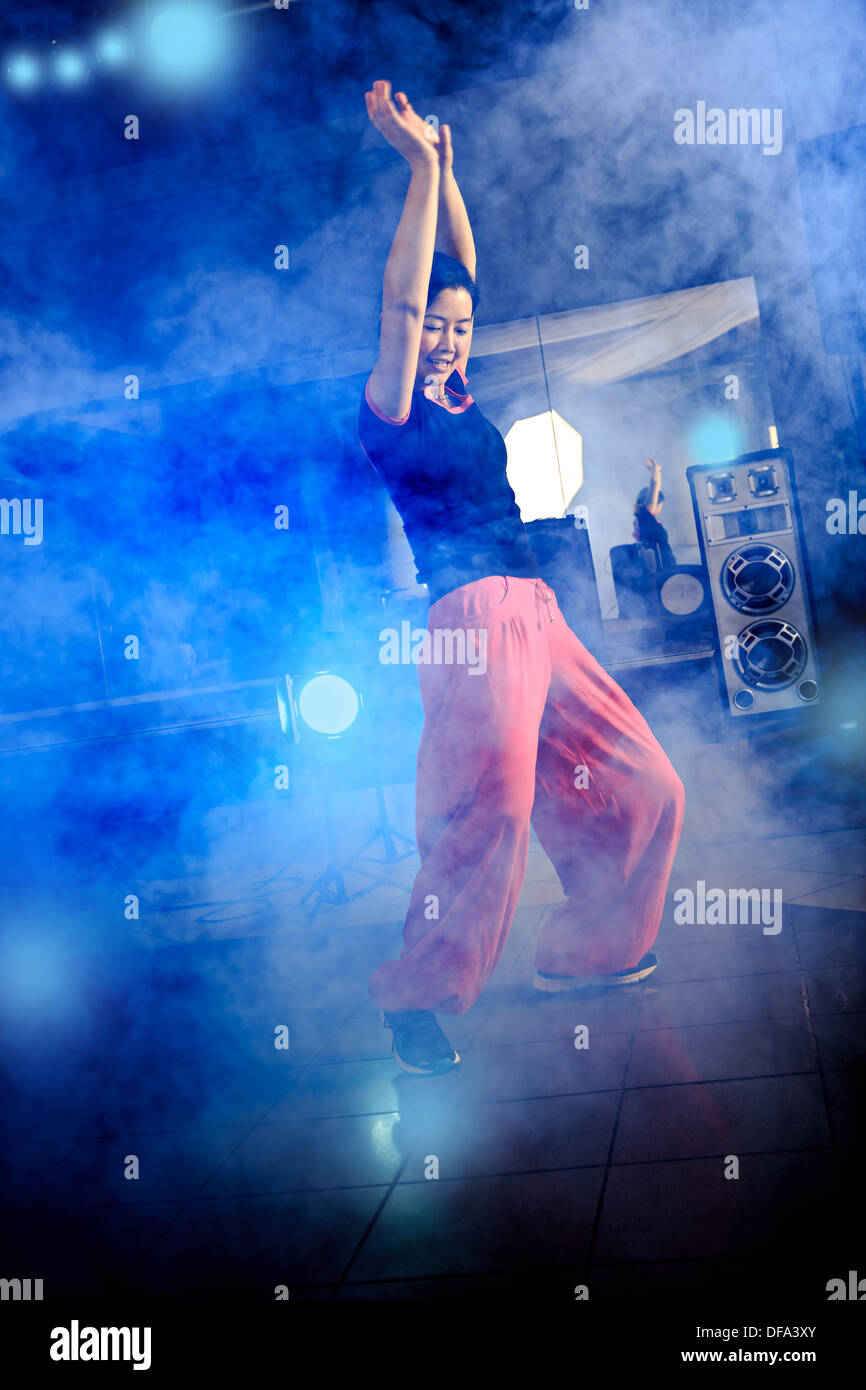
(410, 260)
(652, 501)
(453, 234)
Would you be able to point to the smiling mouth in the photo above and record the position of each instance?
(439, 364)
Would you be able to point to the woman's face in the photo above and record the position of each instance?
(446, 336)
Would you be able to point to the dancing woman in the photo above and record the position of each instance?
(541, 733)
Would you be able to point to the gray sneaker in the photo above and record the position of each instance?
(419, 1044)
(551, 984)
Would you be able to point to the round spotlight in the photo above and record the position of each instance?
(23, 72)
(70, 67)
(185, 41)
(113, 49)
(33, 977)
(716, 438)
(328, 704)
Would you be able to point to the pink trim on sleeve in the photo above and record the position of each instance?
(389, 419)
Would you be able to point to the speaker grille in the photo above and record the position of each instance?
(770, 654)
(757, 578)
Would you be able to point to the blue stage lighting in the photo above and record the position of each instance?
(185, 41)
(33, 977)
(70, 67)
(716, 438)
(328, 704)
(113, 48)
(23, 72)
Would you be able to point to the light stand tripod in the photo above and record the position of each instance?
(330, 887)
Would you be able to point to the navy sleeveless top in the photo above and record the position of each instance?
(444, 468)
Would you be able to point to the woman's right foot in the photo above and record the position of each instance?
(419, 1044)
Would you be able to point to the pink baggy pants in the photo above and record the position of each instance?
(534, 731)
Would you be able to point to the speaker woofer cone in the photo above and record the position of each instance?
(757, 578)
(770, 654)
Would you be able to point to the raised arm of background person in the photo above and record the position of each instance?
(453, 232)
(410, 260)
(652, 502)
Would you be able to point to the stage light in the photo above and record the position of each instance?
(328, 704)
(32, 976)
(70, 67)
(716, 438)
(545, 465)
(338, 740)
(113, 48)
(186, 42)
(23, 72)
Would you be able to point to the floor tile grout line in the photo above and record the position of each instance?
(507, 1272)
(316, 1056)
(315, 1059)
(303, 1069)
(145, 1254)
(482, 1046)
(816, 1048)
(745, 1256)
(587, 1263)
(566, 1095)
(772, 839)
(202, 1196)
(72, 1142)
(92, 1135)
(68, 1152)
(708, 979)
(130, 1269)
(368, 1230)
(469, 1104)
(393, 1183)
(530, 1271)
(656, 1028)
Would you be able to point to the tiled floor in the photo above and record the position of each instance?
(607, 1165)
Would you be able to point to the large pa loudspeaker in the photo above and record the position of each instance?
(564, 555)
(749, 528)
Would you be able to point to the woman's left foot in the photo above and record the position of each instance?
(419, 1044)
(551, 984)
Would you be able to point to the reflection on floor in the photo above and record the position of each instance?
(558, 1166)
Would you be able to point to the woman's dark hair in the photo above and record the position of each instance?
(642, 497)
(445, 274)
(448, 274)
